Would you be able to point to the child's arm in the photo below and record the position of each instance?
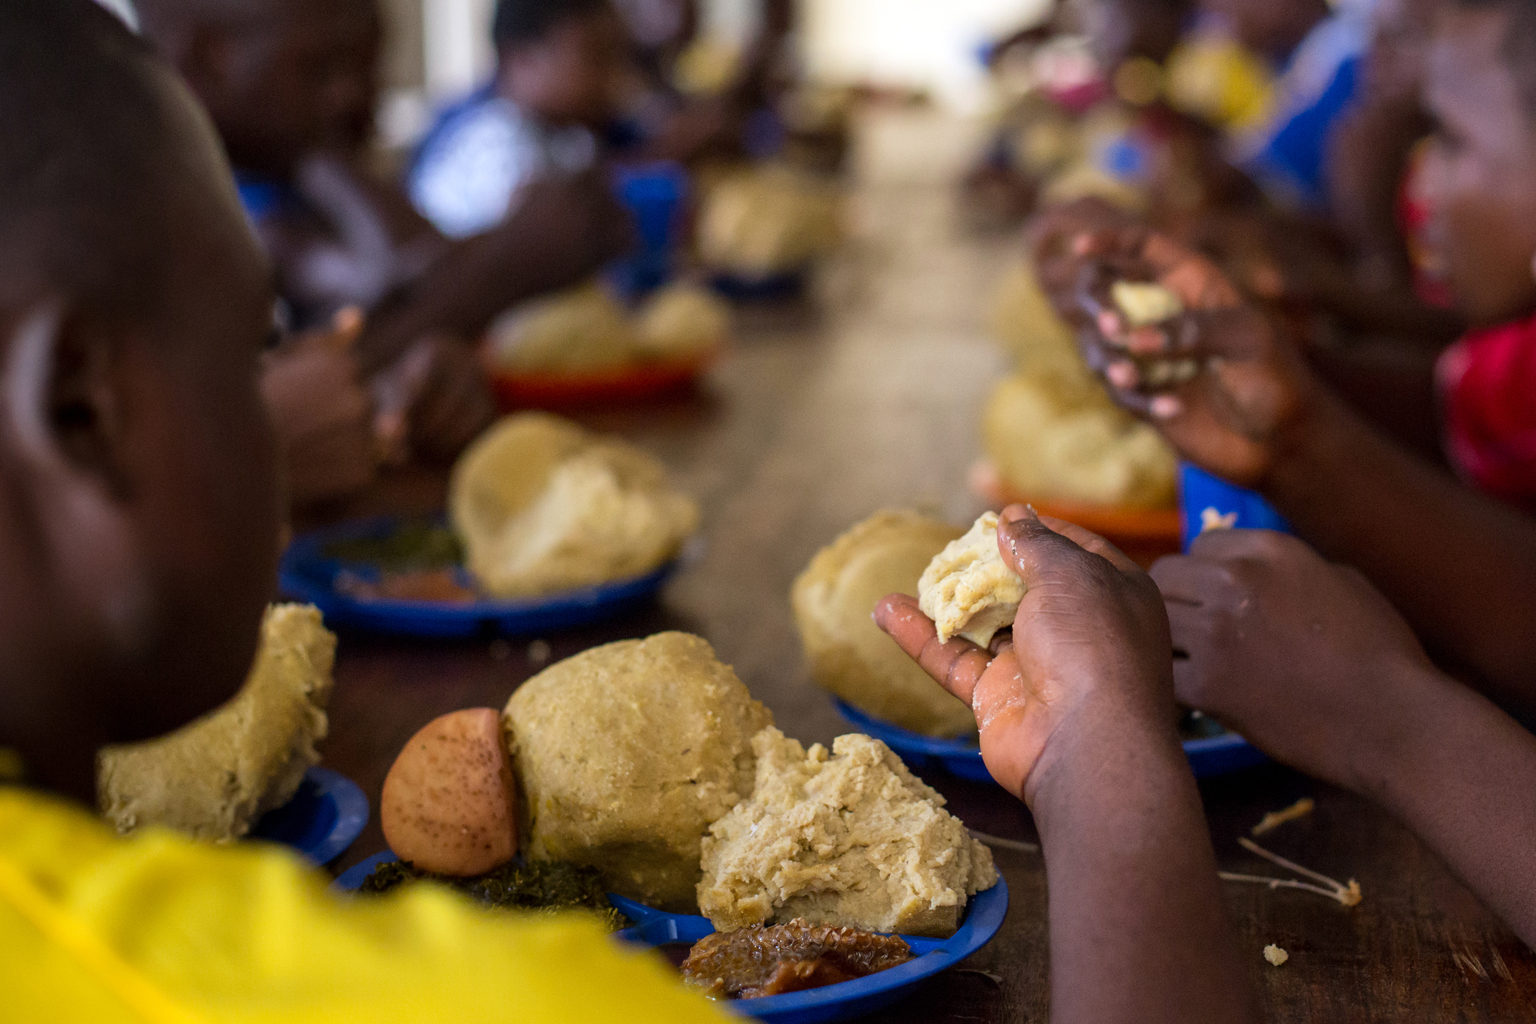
(1309, 662)
(1460, 566)
(1077, 719)
(562, 230)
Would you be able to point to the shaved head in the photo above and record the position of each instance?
(85, 116)
(138, 488)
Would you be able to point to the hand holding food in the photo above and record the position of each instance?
(323, 415)
(432, 401)
(1301, 656)
(449, 804)
(968, 590)
(1089, 657)
(1217, 379)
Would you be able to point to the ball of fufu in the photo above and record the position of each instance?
(626, 753)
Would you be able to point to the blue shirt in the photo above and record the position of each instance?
(1287, 155)
(481, 152)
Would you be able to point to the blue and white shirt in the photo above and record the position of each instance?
(480, 154)
(1288, 154)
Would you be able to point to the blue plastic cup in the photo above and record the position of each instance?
(655, 194)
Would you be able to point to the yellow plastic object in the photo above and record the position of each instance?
(1213, 78)
(159, 929)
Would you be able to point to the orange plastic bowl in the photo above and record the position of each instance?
(638, 382)
(1144, 534)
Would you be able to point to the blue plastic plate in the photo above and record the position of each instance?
(789, 284)
(1209, 755)
(983, 918)
(324, 817)
(308, 574)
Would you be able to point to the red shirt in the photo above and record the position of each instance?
(1488, 389)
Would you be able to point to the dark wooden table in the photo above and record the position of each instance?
(867, 397)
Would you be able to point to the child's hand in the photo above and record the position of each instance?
(1250, 390)
(432, 401)
(1300, 656)
(1088, 659)
(322, 413)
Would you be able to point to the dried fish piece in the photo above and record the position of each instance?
(761, 961)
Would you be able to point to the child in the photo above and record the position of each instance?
(1459, 565)
(555, 84)
(1302, 657)
(138, 534)
(1077, 719)
(292, 88)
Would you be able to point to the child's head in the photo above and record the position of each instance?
(138, 504)
(1270, 27)
(560, 58)
(1480, 172)
(279, 77)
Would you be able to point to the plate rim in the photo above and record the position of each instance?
(985, 913)
(931, 746)
(352, 815)
(305, 550)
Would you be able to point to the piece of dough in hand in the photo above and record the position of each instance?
(968, 590)
(1144, 303)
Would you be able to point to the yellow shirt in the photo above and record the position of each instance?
(161, 929)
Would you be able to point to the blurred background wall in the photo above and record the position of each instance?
(439, 49)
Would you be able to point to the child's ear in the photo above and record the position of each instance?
(61, 432)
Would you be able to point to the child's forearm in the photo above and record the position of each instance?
(1459, 566)
(1138, 928)
(1461, 774)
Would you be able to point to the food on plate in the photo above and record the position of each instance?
(850, 655)
(768, 220)
(535, 885)
(585, 328)
(681, 320)
(412, 545)
(1144, 303)
(847, 838)
(968, 590)
(541, 505)
(439, 586)
(588, 329)
(1027, 326)
(767, 961)
(625, 754)
(1054, 445)
(449, 804)
(214, 778)
(1275, 955)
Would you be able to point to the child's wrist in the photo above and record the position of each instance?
(1310, 432)
(1107, 750)
(1385, 763)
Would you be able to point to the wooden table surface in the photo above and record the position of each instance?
(868, 397)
